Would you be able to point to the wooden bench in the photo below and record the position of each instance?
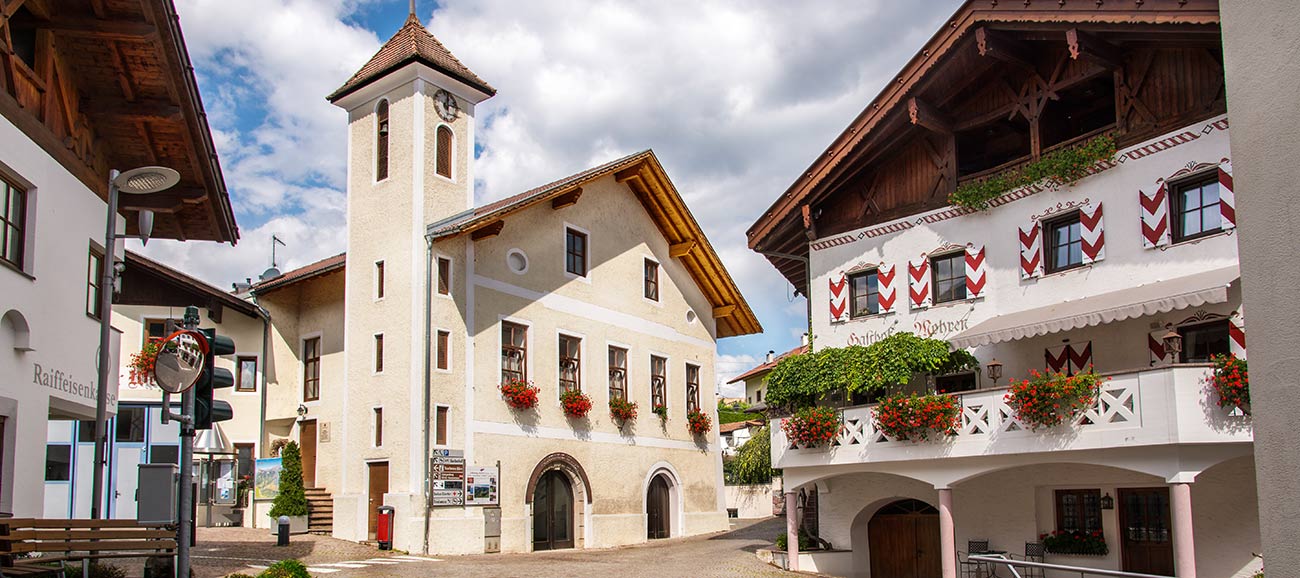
(59, 541)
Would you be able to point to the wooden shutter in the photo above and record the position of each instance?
(1237, 336)
(918, 283)
(839, 284)
(1155, 217)
(1156, 345)
(1227, 198)
(885, 283)
(1031, 251)
(1093, 233)
(1081, 356)
(975, 270)
(444, 151)
(381, 141)
(1057, 358)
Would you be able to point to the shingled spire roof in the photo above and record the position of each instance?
(412, 43)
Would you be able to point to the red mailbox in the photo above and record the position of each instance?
(384, 533)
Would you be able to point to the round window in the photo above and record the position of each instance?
(517, 261)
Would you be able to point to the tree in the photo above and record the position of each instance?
(753, 461)
(292, 500)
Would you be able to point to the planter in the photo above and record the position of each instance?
(1047, 401)
(519, 394)
(575, 403)
(1231, 381)
(297, 525)
(917, 417)
(813, 427)
(698, 423)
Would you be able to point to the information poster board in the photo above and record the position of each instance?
(266, 478)
(481, 486)
(447, 476)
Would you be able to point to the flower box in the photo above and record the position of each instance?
(698, 423)
(1231, 381)
(916, 417)
(519, 394)
(1076, 543)
(622, 410)
(575, 403)
(1049, 400)
(813, 427)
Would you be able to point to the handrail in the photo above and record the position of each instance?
(1083, 571)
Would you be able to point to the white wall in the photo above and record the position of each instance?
(750, 501)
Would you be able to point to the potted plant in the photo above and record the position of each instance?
(812, 426)
(292, 500)
(698, 423)
(660, 410)
(1048, 400)
(1231, 381)
(519, 394)
(575, 403)
(915, 417)
(622, 410)
(142, 364)
(1078, 543)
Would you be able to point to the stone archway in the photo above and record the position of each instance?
(558, 483)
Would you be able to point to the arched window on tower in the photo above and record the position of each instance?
(444, 151)
(381, 141)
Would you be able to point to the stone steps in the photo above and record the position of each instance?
(320, 511)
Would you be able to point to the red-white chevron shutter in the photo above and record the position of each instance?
(1156, 345)
(1093, 233)
(1057, 358)
(1237, 337)
(886, 283)
(839, 298)
(975, 269)
(1080, 356)
(1031, 251)
(1227, 198)
(1155, 217)
(918, 283)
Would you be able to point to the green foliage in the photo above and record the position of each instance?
(286, 569)
(292, 500)
(733, 406)
(806, 542)
(97, 570)
(802, 380)
(728, 416)
(1062, 167)
(753, 461)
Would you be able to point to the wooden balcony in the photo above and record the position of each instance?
(1152, 407)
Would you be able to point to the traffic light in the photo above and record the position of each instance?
(206, 409)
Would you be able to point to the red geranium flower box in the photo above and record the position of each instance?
(698, 423)
(575, 403)
(519, 394)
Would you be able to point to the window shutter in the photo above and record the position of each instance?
(918, 283)
(885, 277)
(1155, 218)
(975, 268)
(1227, 198)
(443, 165)
(1237, 336)
(1081, 356)
(1093, 234)
(1156, 345)
(839, 298)
(1031, 250)
(1057, 358)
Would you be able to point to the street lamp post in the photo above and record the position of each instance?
(141, 181)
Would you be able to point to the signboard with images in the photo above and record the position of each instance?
(447, 478)
(266, 478)
(481, 486)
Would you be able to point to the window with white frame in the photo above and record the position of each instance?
(570, 363)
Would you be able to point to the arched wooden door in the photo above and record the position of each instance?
(553, 512)
(657, 509)
(904, 541)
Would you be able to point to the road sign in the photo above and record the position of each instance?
(447, 478)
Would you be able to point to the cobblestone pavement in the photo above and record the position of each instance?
(222, 551)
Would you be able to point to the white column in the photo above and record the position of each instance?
(947, 534)
(792, 530)
(1180, 498)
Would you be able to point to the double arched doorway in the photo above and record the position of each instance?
(904, 540)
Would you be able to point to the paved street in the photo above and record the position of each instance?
(222, 551)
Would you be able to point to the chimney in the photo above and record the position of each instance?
(803, 340)
(770, 353)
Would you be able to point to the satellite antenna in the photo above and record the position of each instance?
(273, 271)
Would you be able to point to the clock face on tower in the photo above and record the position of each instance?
(445, 104)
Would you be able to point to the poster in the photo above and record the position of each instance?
(266, 479)
(481, 486)
(447, 478)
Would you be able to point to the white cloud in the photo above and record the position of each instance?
(728, 367)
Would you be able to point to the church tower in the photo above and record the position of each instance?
(410, 163)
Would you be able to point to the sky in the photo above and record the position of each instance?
(736, 98)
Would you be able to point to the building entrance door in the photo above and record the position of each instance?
(1146, 536)
(378, 487)
(126, 467)
(904, 541)
(553, 512)
(657, 509)
(307, 447)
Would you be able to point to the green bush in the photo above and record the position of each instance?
(292, 500)
(97, 570)
(753, 461)
(1062, 167)
(806, 542)
(286, 569)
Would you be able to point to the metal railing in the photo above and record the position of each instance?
(1083, 571)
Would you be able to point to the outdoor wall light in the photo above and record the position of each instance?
(995, 370)
(302, 411)
(1173, 343)
(1107, 502)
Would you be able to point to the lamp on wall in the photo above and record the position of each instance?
(1107, 502)
(1173, 343)
(302, 411)
(995, 370)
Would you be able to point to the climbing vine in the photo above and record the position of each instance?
(1062, 167)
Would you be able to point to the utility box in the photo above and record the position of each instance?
(491, 530)
(156, 494)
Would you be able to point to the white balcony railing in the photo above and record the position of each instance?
(1160, 406)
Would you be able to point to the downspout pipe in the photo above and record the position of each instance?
(266, 364)
(424, 423)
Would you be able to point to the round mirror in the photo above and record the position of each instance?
(180, 362)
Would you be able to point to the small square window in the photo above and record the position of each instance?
(948, 274)
(651, 280)
(13, 213)
(444, 276)
(379, 279)
(575, 252)
(444, 349)
(865, 293)
(58, 463)
(246, 374)
(1196, 211)
(379, 353)
(1064, 243)
(1078, 510)
(440, 432)
(379, 427)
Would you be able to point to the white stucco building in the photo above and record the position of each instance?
(1093, 274)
